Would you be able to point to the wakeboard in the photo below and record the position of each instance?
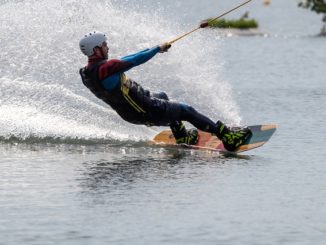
(260, 135)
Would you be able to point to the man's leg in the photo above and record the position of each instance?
(181, 134)
(231, 138)
(174, 113)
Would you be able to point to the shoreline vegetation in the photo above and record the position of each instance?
(244, 23)
(318, 6)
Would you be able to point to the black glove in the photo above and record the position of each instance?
(204, 24)
(164, 47)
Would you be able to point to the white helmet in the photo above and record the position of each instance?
(90, 41)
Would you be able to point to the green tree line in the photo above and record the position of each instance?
(318, 6)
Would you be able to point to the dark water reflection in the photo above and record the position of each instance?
(118, 172)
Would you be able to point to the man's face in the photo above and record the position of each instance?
(102, 51)
(105, 50)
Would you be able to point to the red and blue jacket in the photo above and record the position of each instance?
(108, 81)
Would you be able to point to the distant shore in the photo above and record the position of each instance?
(242, 24)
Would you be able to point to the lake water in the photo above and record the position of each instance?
(72, 172)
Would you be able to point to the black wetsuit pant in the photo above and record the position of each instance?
(166, 112)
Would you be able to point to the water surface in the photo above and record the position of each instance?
(72, 172)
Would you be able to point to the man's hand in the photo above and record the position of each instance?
(204, 24)
(164, 47)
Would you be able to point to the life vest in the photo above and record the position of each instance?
(127, 99)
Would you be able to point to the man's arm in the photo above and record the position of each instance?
(126, 63)
(141, 57)
(145, 55)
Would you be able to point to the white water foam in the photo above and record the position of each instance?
(41, 92)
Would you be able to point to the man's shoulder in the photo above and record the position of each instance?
(103, 62)
(114, 64)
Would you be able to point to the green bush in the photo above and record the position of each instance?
(318, 6)
(238, 24)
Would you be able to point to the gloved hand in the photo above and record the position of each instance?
(204, 24)
(164, 47)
